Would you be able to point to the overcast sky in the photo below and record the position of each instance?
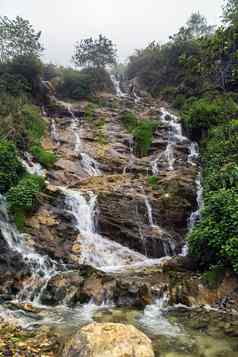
(129, 23)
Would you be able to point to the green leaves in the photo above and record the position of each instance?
(11, 169)
(18, 38)
(96, 53)
(24, 197)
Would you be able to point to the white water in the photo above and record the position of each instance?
(89, 165)
(117, 87)
(154, 319)
(32, 167)
(54, 131)
(42, 268)
(149, 212)
(195, 216)
(96, 250)
(131, 156)
(193, 154)
(175, 136)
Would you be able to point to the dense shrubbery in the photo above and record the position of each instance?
(11, 169)
(143, 135)
(24, 197)
(76, 85)
(215, 239)
(200, 115)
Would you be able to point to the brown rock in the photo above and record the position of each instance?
(109, 340)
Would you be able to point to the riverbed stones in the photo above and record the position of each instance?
(109, 340)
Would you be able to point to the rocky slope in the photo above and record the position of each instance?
(110, 221)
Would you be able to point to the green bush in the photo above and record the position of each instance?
(24, 197)
(129, 120)
(21, 122)
(153, 181)
(11, 169)
(200, 115)
(215, 239)
(143, 135)
(44, 157)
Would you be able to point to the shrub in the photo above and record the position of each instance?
(44, 157)
(129, 120)
(20, 122)
(215, 239)
(143, 135)
(11, 169)
(24, 197)
(202, 114)
(153, 181)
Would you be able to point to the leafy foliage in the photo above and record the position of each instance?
(11, 169)
(44, 157)
(199, 115)
(96, 53)
(18, 38)
(143, 135)
(24, 197)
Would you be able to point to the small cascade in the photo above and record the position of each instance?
(154, 318)
(42, 268)
(32, 167)
(149, 212)
(193, 154)
(131, 155)
(175, 136)
(154, 167)
(89, 165)
(54, 131)
(195, 216)
(117, 87)
(96, 250)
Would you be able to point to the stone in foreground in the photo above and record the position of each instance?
(109, 340)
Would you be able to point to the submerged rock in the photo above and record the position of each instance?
(109, 340)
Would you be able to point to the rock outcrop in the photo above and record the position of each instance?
(109, 340)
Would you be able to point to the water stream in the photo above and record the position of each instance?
(41, 267)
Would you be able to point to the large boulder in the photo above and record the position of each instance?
(109, 340)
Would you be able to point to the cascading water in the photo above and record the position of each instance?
(42, 268)
(195, 216)
(175, 136)
(54, 131)
(117, 87)
(95, 249)
(154, 319)
(131, 155)
(32, 167)
(89, 165)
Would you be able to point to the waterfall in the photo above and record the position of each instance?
(89, 165)
(154, 318)
(32, 167)
(175, 136)
(54, 131)
(195, 216)
(96, 250)
(193, 154)
(42, 268)
(117, 87)
(131, 155)
(149, 212)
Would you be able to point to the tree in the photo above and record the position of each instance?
(18, 38)
(94, 53)
(230, 12)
